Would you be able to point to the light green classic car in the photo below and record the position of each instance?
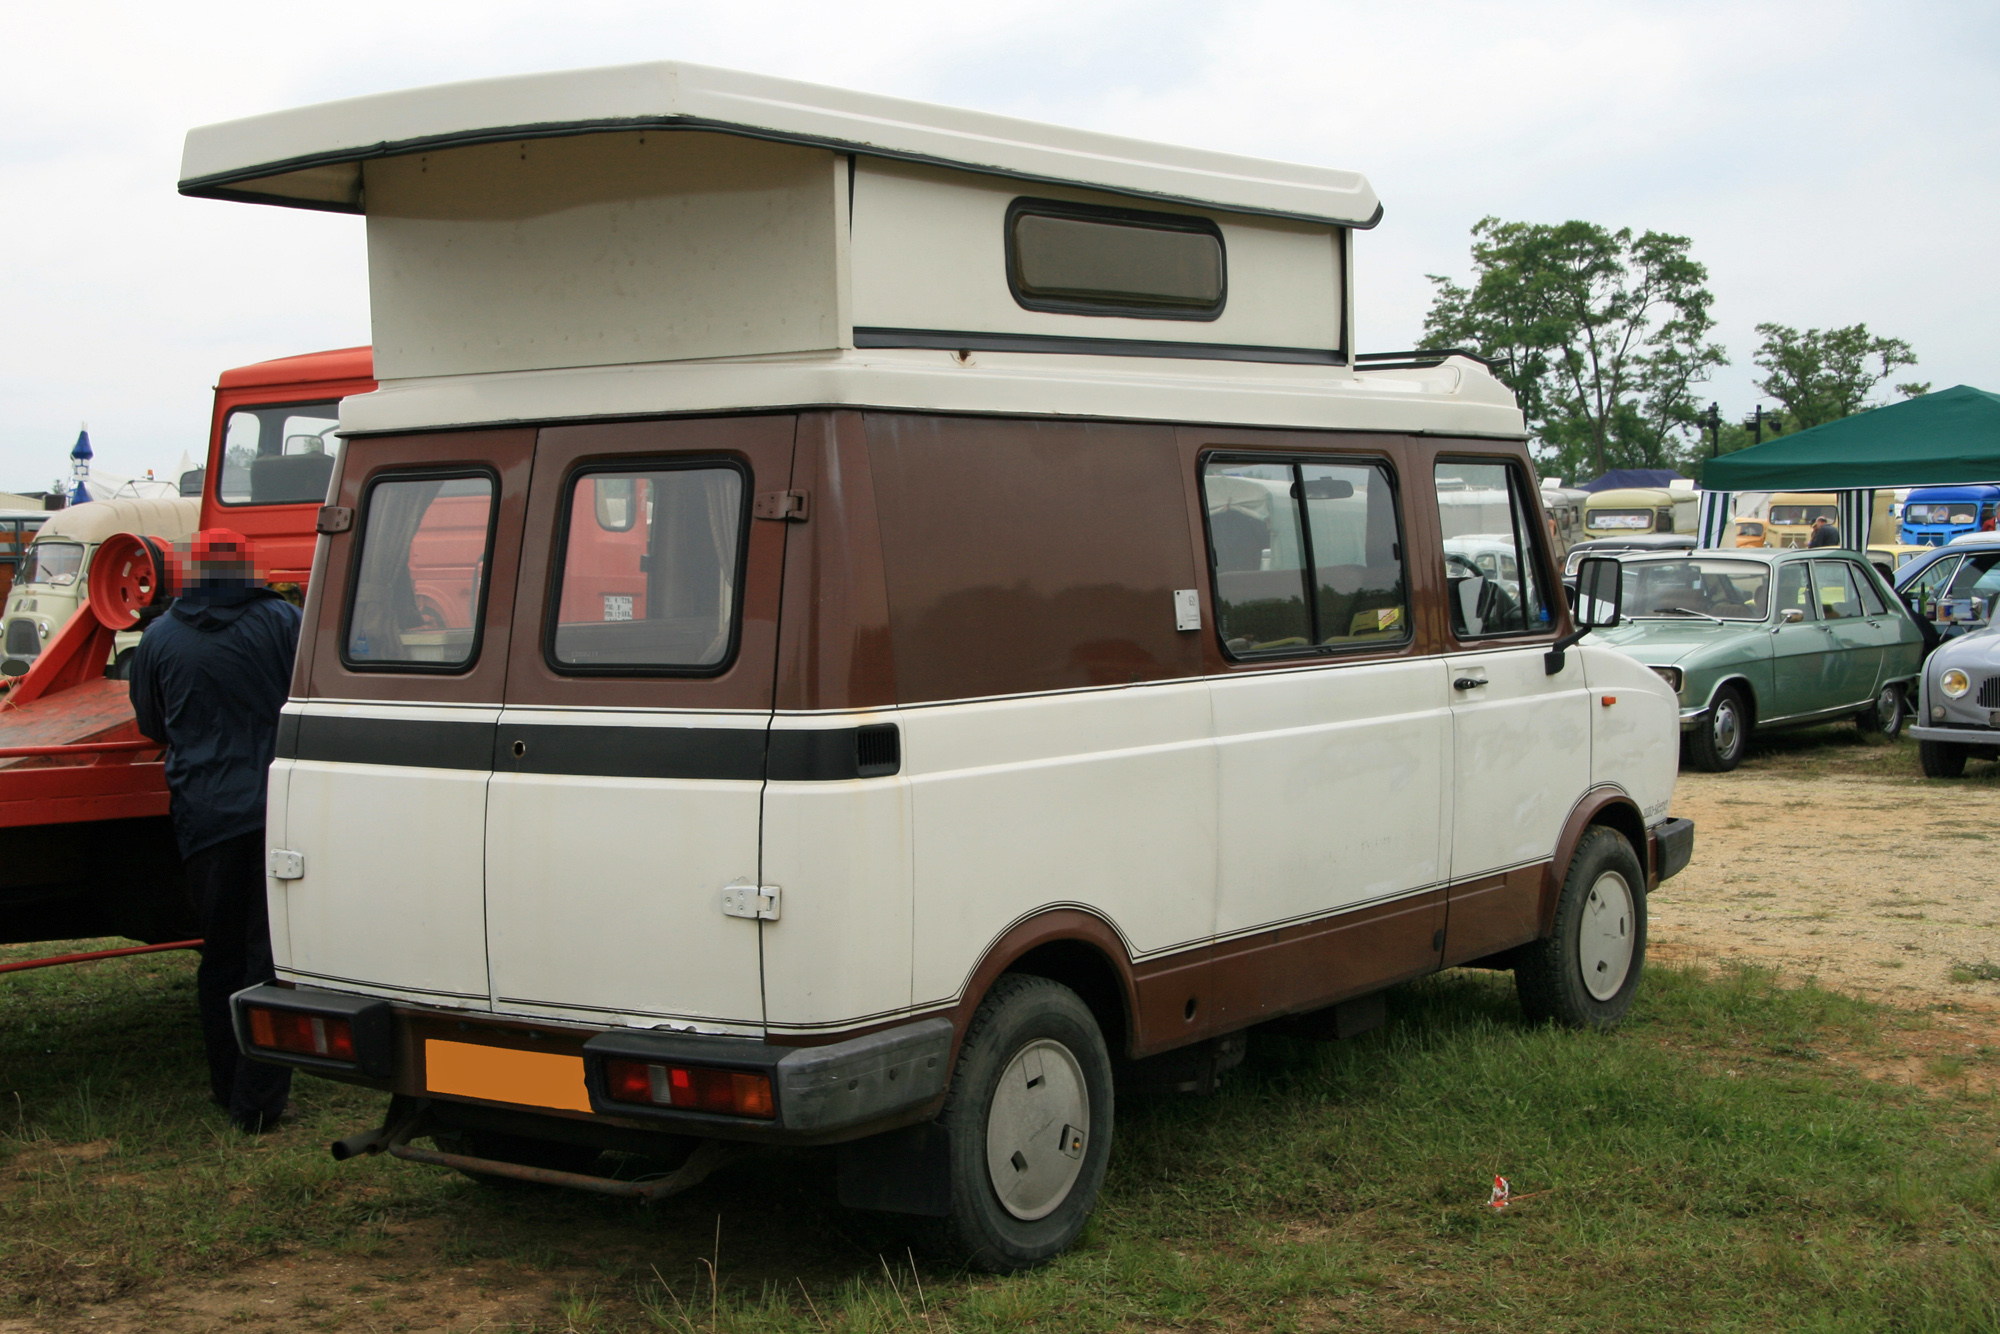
(1767, 639)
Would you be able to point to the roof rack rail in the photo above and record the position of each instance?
(1422, 357)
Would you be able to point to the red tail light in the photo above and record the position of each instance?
(302, 1034)
(694, 1087)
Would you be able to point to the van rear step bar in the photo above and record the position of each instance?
(408, 1118)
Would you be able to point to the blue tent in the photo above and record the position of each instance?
(1620, 478)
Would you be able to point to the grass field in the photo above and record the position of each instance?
(1717, 1164)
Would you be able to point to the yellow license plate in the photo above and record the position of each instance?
(501, 1074)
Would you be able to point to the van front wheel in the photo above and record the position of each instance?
(1029, 1122)
(1584, 974)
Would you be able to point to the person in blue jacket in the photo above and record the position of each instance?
(208, 681)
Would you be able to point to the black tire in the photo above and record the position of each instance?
(1941, 759)
(1717, 745)
(1024, 1019)
(1886, 715)
(1552, 977)
(120, 668)
(523, 1149)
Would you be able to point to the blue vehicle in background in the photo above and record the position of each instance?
(1933, 515)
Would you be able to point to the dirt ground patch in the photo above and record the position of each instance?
(1845, 871)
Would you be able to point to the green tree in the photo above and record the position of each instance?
(1824, 376)
(1602, 337)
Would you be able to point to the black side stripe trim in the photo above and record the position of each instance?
(714, 753)
(409, 742)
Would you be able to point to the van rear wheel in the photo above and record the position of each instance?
(1029, 1127)
(1585, 973)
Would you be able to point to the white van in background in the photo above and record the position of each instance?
(53, 580)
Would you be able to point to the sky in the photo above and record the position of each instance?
(1831, 162)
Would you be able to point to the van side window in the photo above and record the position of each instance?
(425, 543)
(651, 565)
(1493, 577)
(1305, 554)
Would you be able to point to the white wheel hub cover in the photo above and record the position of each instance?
(1604, 944)
(1037, 1129)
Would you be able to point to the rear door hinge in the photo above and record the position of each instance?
(785, 506)
(758, 902)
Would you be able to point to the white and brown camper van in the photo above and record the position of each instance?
(850, 622)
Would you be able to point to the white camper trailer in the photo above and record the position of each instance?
(947, 620)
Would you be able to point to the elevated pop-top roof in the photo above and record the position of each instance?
(309, 157)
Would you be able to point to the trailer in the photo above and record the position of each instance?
(86, 846)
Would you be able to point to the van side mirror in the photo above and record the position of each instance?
(1599, 597)
(1600, 589)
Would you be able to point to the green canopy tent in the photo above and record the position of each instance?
(1942, 439)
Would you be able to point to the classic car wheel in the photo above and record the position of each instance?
(1717, 745)
(1584, 974)
(1029, 1116)
(1941, 759)
(1886, 715)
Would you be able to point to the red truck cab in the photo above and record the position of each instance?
(271, 449)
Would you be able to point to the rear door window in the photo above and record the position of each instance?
(1306, 555)
(650, 569)
(1839, 599)
(419, 588)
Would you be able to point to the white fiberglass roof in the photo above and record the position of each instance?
(309, 157)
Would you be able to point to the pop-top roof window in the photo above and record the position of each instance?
(1100, 261)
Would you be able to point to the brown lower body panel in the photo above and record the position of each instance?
(1493, 913)
(1311, 964)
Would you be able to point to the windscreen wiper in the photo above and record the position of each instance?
(1689, 611)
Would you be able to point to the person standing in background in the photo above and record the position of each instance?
(208, 681)
(1825, 533)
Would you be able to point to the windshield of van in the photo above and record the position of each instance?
(424, 549)
(1728, 590)
(649, 571)
(280, 454)
(1791, 516)
(53, 563)
(1614, 520)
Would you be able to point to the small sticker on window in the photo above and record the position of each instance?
(618, 606)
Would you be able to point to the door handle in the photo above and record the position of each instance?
(1468, 683)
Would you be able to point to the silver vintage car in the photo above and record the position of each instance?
(1958, 704)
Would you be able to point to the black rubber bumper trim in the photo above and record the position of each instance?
(372, 1022)
(814, 1089)
(1674, 840)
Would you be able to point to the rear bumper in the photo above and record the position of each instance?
(1673, 847)
(820, 1094)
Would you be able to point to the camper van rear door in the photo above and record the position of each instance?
(630, 758)
(390, 754)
